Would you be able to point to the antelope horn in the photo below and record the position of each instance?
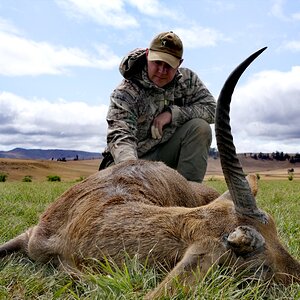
(243, 199)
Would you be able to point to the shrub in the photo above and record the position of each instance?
(212, 178)
(53, 178)
(290, 177)
(3, 177)
(27, 178)
(80, 179)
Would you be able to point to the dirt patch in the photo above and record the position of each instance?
(17, 169)
(266, 169)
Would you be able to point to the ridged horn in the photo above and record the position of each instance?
(244, 201)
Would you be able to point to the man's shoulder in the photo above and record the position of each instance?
(126, 84)
(187, 72)
(188, 77)
(127, 88)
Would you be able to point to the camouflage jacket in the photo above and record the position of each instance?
(137, 101)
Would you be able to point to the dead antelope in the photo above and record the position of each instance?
(147, 209)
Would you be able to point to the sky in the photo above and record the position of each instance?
(59, 64)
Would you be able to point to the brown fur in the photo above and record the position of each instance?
(138, 207)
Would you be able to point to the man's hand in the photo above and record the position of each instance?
(158, 123)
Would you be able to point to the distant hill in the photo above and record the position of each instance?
(71, 170)
(49, 154)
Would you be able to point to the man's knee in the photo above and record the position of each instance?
(200, 130)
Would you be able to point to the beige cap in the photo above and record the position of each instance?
(166, 47)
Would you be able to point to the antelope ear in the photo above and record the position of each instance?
(252, 180)
(245, 240)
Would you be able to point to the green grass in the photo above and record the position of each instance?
(20, 278)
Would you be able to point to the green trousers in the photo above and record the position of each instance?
(187, 150)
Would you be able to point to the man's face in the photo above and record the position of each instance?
(160, 73)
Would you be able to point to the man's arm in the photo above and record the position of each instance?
(198, 101)
(122, 126)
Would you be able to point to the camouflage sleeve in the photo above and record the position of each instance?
(122, 124)
(198, 102)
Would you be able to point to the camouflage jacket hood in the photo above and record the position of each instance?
(137, 101)
(133, 63)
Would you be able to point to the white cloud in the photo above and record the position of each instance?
(219, 6)
(296, 16)
(154, 8)
(38, 123)
(114, 12)
(293, 46)
(265, 112)
(198, 36)
(277, 10)
(108, 13)
(7, 26)
(20, 56)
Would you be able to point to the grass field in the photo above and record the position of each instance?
(21, 204)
